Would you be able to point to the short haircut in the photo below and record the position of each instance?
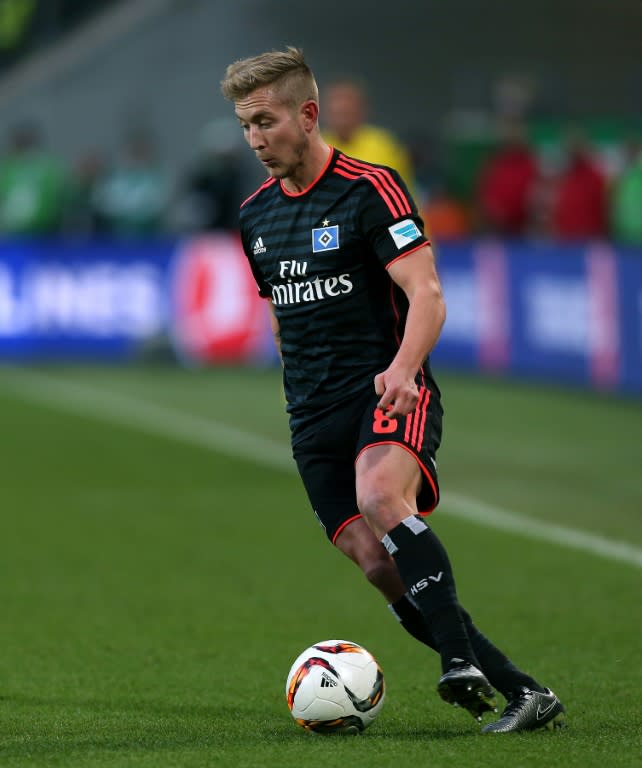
(286, 70)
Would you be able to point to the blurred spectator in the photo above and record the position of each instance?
(344, 113)
(626, 202)
(82, 216)
(506, 182)
(131, 198)
(445, 217)
(34, 185)
(513, 96)
(580, 209)
(210, 195)
(543, 196)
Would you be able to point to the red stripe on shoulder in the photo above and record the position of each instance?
(376, 183)
(263, 186)
(387, 179)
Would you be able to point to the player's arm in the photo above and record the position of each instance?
(416, 275)
(276, 329)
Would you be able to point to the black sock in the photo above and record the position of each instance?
(425, 570)
(502, 674)
(408, 615)
(498, 668)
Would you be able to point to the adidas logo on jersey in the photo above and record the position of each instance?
(327, 681)
(259, 247)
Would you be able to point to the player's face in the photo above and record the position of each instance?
(274, 131)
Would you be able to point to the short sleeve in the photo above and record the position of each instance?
(388, 216)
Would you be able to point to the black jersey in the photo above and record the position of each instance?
(321, 257)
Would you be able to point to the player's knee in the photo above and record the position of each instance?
(374, 500)
(358, 542)
(378, 504)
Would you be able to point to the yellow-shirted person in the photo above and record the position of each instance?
(344, 113)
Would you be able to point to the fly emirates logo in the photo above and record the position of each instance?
(297, 290)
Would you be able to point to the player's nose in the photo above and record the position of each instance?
(255, 138)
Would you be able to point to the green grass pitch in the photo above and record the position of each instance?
(160, 569)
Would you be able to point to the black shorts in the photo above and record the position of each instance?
(326, 452)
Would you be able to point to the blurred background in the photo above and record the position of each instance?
(152, 516)
(518, 129)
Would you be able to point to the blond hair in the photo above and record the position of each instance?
(286, 70)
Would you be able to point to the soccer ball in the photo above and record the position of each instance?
(335, 686)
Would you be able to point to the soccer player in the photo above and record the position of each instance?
(337, 247)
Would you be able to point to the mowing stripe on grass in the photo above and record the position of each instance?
(177, 425)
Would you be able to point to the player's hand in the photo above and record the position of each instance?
(397, 390)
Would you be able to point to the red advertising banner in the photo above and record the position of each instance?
(217, 314)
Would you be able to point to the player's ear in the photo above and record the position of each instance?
(310, 114)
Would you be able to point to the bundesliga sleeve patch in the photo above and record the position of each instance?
(404, 232)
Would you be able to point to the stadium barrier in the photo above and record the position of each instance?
(568, 314)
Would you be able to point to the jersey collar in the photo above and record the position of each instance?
(332, 154)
